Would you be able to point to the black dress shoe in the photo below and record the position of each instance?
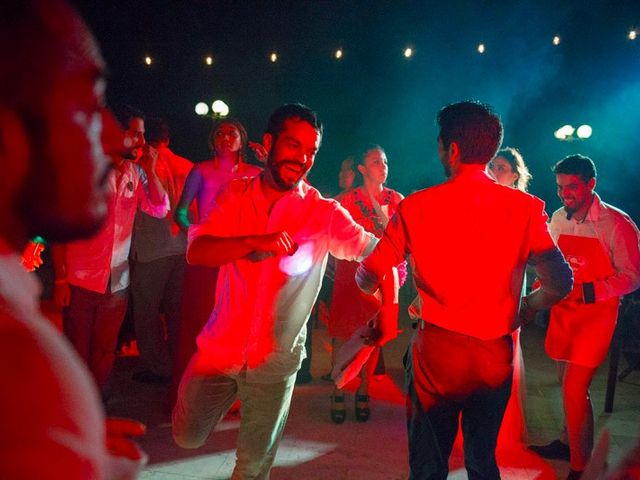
(555, 450)
(147, 376)
(575, 474)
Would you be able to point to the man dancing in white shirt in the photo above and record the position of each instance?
(270, 235)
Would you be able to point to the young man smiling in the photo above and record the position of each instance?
(600, 243)
(270, 235)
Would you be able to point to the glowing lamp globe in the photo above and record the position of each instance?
(584, 131)
(219, 108)
(202, 108)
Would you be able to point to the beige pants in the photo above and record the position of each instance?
(204, 399)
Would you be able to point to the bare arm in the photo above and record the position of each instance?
(190, 191)
(216, 251)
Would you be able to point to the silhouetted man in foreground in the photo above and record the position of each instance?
(53, 125)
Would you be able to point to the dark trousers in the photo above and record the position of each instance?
(91, 323)
(156, 287)
(449, 374)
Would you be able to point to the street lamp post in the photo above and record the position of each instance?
(219, 109)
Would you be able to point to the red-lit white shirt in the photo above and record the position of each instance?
(470, 239)
(262, 306)
(619, 237)
(91, 263)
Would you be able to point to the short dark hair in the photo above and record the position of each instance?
(579, 165)
(292, 110)
(124, 113)
(474, 127)
(156, 130)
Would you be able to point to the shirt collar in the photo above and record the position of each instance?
(596, 208)
(472, 175)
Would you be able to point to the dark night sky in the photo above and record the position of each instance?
(374, 94)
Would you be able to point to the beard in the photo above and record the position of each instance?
(45, 218)
(571, 210)
(281, 183)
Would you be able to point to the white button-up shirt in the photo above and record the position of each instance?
(90, 263)
(619, 238)
(262, 306)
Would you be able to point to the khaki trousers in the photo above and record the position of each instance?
(203, 400)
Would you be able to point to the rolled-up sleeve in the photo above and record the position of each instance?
(146, 205)
(159, 211)
(347, 239)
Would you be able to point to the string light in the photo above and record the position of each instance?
(408, 52)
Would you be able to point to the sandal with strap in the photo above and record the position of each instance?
(338, 412)
(363, 412)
